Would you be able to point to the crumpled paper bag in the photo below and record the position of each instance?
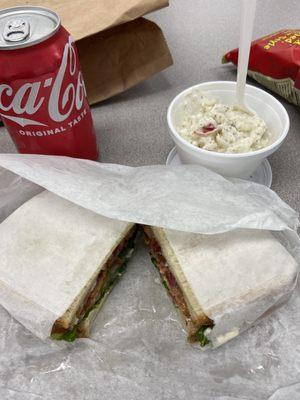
(138, 349)
(117, 59)
(117, 48)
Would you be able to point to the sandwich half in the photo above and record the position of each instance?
(58, 263)
(221, 284)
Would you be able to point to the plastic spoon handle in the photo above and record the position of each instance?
(246, 30)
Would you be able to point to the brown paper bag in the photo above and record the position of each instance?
(129, 53)
(117, 49)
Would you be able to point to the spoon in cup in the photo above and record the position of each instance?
(246, 30)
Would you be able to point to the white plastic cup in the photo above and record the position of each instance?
(240, 165)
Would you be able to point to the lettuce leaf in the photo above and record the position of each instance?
(202, 339)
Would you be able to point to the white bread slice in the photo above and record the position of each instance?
(220, 272)
(52, 250)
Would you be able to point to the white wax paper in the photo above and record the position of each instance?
(186, 198)
(138, 349)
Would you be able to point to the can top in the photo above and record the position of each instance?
(25, 26)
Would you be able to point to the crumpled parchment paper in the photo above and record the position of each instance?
(138, 348)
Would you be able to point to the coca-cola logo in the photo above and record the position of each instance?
(65, 94)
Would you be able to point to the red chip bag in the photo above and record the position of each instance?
(275, 63)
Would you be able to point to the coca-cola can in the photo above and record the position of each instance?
(43, 100)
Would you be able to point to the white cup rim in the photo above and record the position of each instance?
(265, 150)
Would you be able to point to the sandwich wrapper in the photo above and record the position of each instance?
(137, 349)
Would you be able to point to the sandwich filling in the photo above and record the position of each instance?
(106, 279)
(196, 331)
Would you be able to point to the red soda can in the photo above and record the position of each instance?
(43, 100)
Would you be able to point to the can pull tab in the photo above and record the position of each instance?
(16, 30)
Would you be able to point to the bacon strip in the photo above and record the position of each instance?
(174, 289)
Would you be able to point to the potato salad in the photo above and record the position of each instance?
(213, 126)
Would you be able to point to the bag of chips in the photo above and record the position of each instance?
(275, 63)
